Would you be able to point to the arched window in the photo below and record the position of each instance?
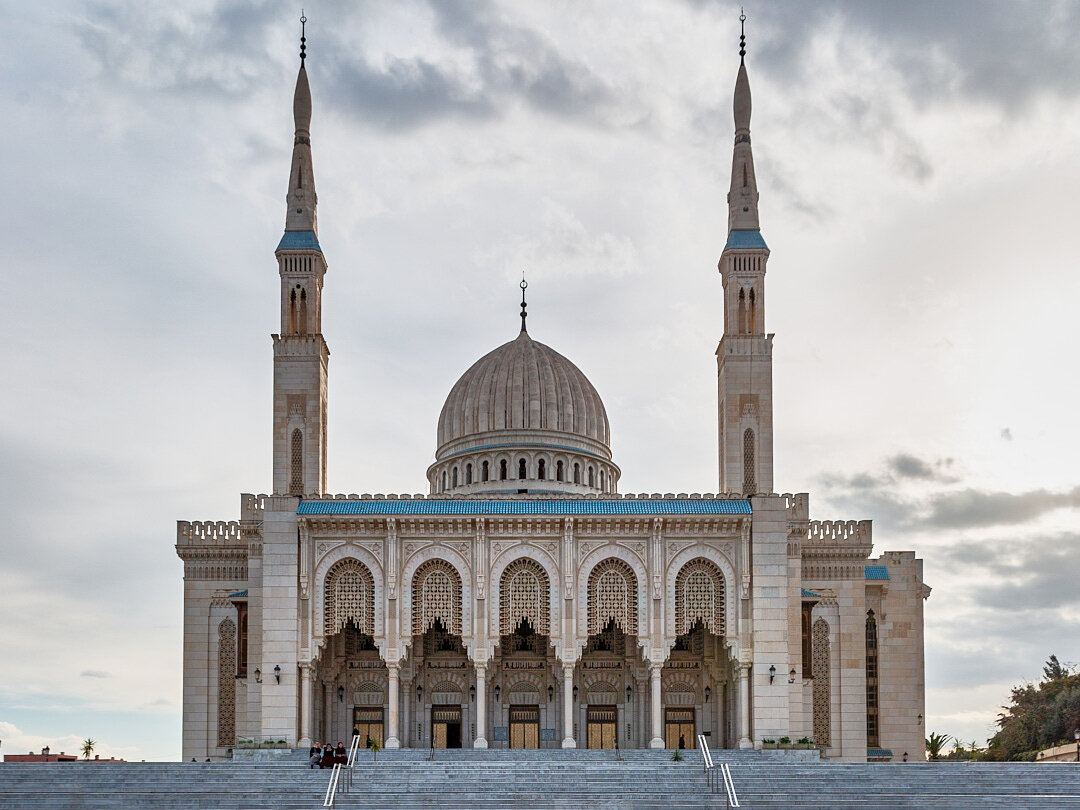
(752, 320)
(485, 470)
(822, 692)
(558, 470)
(502, 470)
(699, 596)
(577, 473)
(302, 325)
(541, 469)
(292, 312)
(521, 468)
(226, 731)
(749, 482)
(872, 736)
(349, 598)
(592, 476)
(612, 596)
(296, 452)
(436, 596)
(444, 480)
(468, 473)
(453, 477)
(603, 488)
(742, 311)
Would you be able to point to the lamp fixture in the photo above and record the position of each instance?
(419, 692)
(629, 692)
(905, 756)
(551, 693)
(575, 691)
(708, 693)
(472, 693)
(1076, 735)
(791, 676)
(277, 673)
(919, 718)
(772, 673)
(258, 676)
(341, 694)
(498, 691)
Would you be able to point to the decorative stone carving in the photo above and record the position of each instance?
(700, 594)
(226, 725)
(349, 596)
(524, 593)
(613, 595)
(436, 595)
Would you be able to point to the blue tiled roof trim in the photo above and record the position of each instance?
(238, 593)
(877, 572)
(526, 507)
(745, 240)
(879, 753)
(299, 240)
(808, 594)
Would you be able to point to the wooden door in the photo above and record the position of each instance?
(369, 722)
(679, 728)
(524, 726)
(600, 726)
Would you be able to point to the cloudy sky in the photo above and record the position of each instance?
(917, 163)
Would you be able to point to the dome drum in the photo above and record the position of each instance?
(513, 470)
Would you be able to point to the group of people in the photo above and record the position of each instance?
(326, 756)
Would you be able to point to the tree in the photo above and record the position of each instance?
(1054, 671)
(935, 744)
(1038, 715)
(88, 747)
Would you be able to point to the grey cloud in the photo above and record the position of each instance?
(93, 673)
(972, 508)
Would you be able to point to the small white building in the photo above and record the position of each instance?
(525, 601)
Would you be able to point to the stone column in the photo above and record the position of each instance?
(568, 707)
(307, 705)
(744, 707)
(481, 707)
(657, 740)
(392, 709)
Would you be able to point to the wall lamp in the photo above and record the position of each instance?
(277, 673)
(629, 692)
(575, 691)
(905, 756)
(472, 692)
(551, 693)
(708, 693)
(419, 692)
(498, 691)
(258, 676)
(791, 676)
(772, 673)
(341, 694)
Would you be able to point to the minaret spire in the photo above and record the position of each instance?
(524, 284)
(743, 196)
(301, 198)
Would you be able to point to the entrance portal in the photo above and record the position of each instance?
(446, 726)
(601, 727)
(679, 728)
(369, 723)
(524, 726)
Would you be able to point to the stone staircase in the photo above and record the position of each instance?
(574, 779)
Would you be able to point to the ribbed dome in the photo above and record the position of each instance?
(523, 385)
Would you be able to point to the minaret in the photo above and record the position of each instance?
(744, 356)
(300, 352)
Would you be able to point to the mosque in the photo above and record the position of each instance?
(525, 602)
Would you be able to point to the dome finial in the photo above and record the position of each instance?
(524, 284)
(303, 38)
(742, 37)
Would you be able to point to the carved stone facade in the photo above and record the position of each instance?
(525, 600)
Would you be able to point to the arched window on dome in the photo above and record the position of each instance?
(444, 480)
(603, 488)
(453, 477)
(558, 470)
(468, 474)
(502, 470)
(541, 469)
(577, 473)
(592, 476)
(485, 471)
(521, 468)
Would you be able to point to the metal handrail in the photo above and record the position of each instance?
(354, 749)
(729, 785)
(331, 789)
(714, 772)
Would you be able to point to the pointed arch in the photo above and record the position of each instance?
(436, 594)
(349, 597)
(613, 595)
(296, 462)
(749, 463)
(700, 593)
(524, 593)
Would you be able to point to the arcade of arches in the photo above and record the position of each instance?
(523, 696)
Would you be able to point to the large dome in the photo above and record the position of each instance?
(523, 404)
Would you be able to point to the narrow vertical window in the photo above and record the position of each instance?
(226, 698)
(752, 319)
(444, 480)
(468, 473)
(485, 470)
(302, 328)
(241, 639)
(872, 731)
(292, 312)
(742, 311)
(822, 694)
(521, 468)
(453, 477)
(296, 479)
(749, 482)
(602, 486)
(558, 471)
(592, 477)
(577, 473)
(541, 470)
(502, 470)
